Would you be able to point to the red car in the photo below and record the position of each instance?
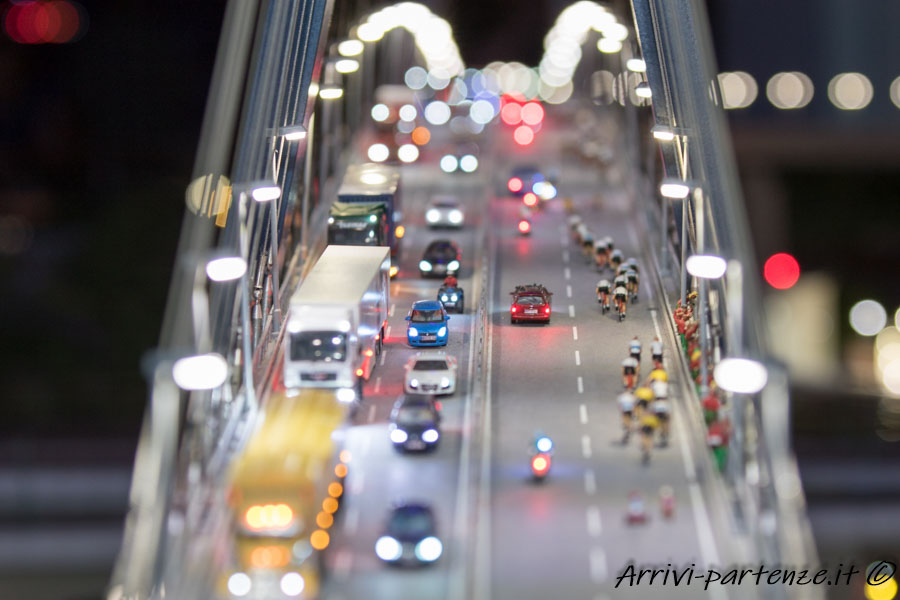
(530, 303)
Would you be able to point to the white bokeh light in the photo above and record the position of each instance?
(739, 89)
(790, 90)
(868, 317)
(437, 112)
(850, 91)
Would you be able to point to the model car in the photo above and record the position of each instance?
(441, 258)
(410, 537)
(444, 211)
(427, 324)
(452, 296)
(430, 373)
(530, 302)
(415, 423)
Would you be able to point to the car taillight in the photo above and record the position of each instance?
(513, 309)
(546, 310)
(515, 184)
(524, 226)
(530, 199)
(540, 464)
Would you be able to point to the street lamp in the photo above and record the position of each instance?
(293, 133)
(643, 90)
(330, 92)
(636, 65)
(200, 372)
(741, 375)
(706, 266)
(675, 189)
(350, 48)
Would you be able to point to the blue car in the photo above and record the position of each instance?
(427, 324)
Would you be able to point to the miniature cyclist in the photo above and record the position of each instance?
(656, 350)
(621, 298)
(629, 373)
(626, 406)
(604, 291)
(634, 349)
(450, 281)
(615, 258)
(660, 409)
(601, 254)
(631, 277)
(648, 424)
(644, 397)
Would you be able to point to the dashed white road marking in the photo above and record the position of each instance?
(567, 273)
(371, 415)
(357, 482)
(351, 522)
(575, 332)
(565, 254)
(569, 291)
(383, 356)
(577, 358)
(586, 446)
(594, 524)
(598, 565)
(580, 385)
(590, 482)
(572, 311)
(582, 414)
(391, 311)
(387, 332)
(377, 386)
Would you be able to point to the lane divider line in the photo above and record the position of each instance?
(577, 358)
(590, 482)
(594, 524)
(391, 311)
(582, 414)
(572, 310)
(567, 273)
(371, 413)
(575, 332)
(597, 559)
(586, 446)
(351, 522)
(569, 291)
(377, 385)
(580, 385)
(565, 255)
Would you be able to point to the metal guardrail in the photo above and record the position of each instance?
(677, 48)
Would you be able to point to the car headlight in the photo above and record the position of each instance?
(292, 584)
(414, 383)
(433, 215)
(398, 436)
(445, 299)
(453, 265)
(454, 298)
(442, 331)
(468, 163)
(346, 395)
(412, 332)
(445, 382)
(239, 584)
(429, 549)
(455, 216)
(387, 548)
(430, 436)
(424, 265)
(449, 163)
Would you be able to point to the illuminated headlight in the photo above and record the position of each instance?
(387, 548)
(413, 383)
(444, 298)
(548, 192)
(442, 332)
(453, 298)
(468, 163)
(445, 382)
(430, 436)
(372, 218)
(433, 215)
(239, 584)
(292, 584)
(412, 332)
(429, 549)
(398, 436)
(453, 265)
(330, 220)
(455, 216)
(449, 163)
(544, 444)
(424, 265)
(346, 395)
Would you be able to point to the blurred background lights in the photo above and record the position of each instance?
(416, 78)
(867, 317)
(437, 112)
(781, 271)
(887, 358)
(408, 153)
(45, 22)
(637, 65)
(201, 372)
(351, 48)
(532, 113)
(469, 164)
(741, 375)
(511, 114)
(523, 135)
(239, 584)
(380, 112)
(378, 153)
(481, 112)
(789, 90)
(448, 163)
(346, 65)
(895, 92)
(421, 136)
(881, 590)
(292, 584)
(408, 112)
(608, 46)
(739, 89)
(850, 91)
(438, 79)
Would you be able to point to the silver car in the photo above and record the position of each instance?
(430, 373)
(444, 211)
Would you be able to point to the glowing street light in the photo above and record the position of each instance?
(706, 266)
(741, 375)
(636, 65)
(293, 133)
(330, 92)
(662, 133)
(643, 90)
(675, 189)
(200, 372)
(351, 48)
(226, 268)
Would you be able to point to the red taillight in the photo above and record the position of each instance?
(530, 199)
(438, 405)
(513, 309)
(546, 310)
(540, 464)
(524, 226)
(515, 184)
(523, 135)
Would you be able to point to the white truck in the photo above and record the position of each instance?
(335, 328)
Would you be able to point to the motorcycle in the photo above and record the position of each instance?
(540, 459)
(452, 297)
(635, 513)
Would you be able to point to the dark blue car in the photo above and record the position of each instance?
(411, 536)
(427, 324)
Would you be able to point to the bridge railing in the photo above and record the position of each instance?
(676, 45)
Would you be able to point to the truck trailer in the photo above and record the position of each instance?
(335, 327)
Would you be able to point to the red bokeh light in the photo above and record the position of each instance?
(523, 135)
(781, 271)
(524, 225)
(511, 114)
(515, 184)
(532, 113)
(530, 199)
(43, 22)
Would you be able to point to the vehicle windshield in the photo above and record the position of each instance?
(443, 251)
(446, 204)
(430, 365)
(529, 300)
(427, 316)
(345, 236)
(411, 522)
(415, 415)
(324, 346)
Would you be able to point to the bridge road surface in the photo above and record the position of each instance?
(567, 538)
(379, 475)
